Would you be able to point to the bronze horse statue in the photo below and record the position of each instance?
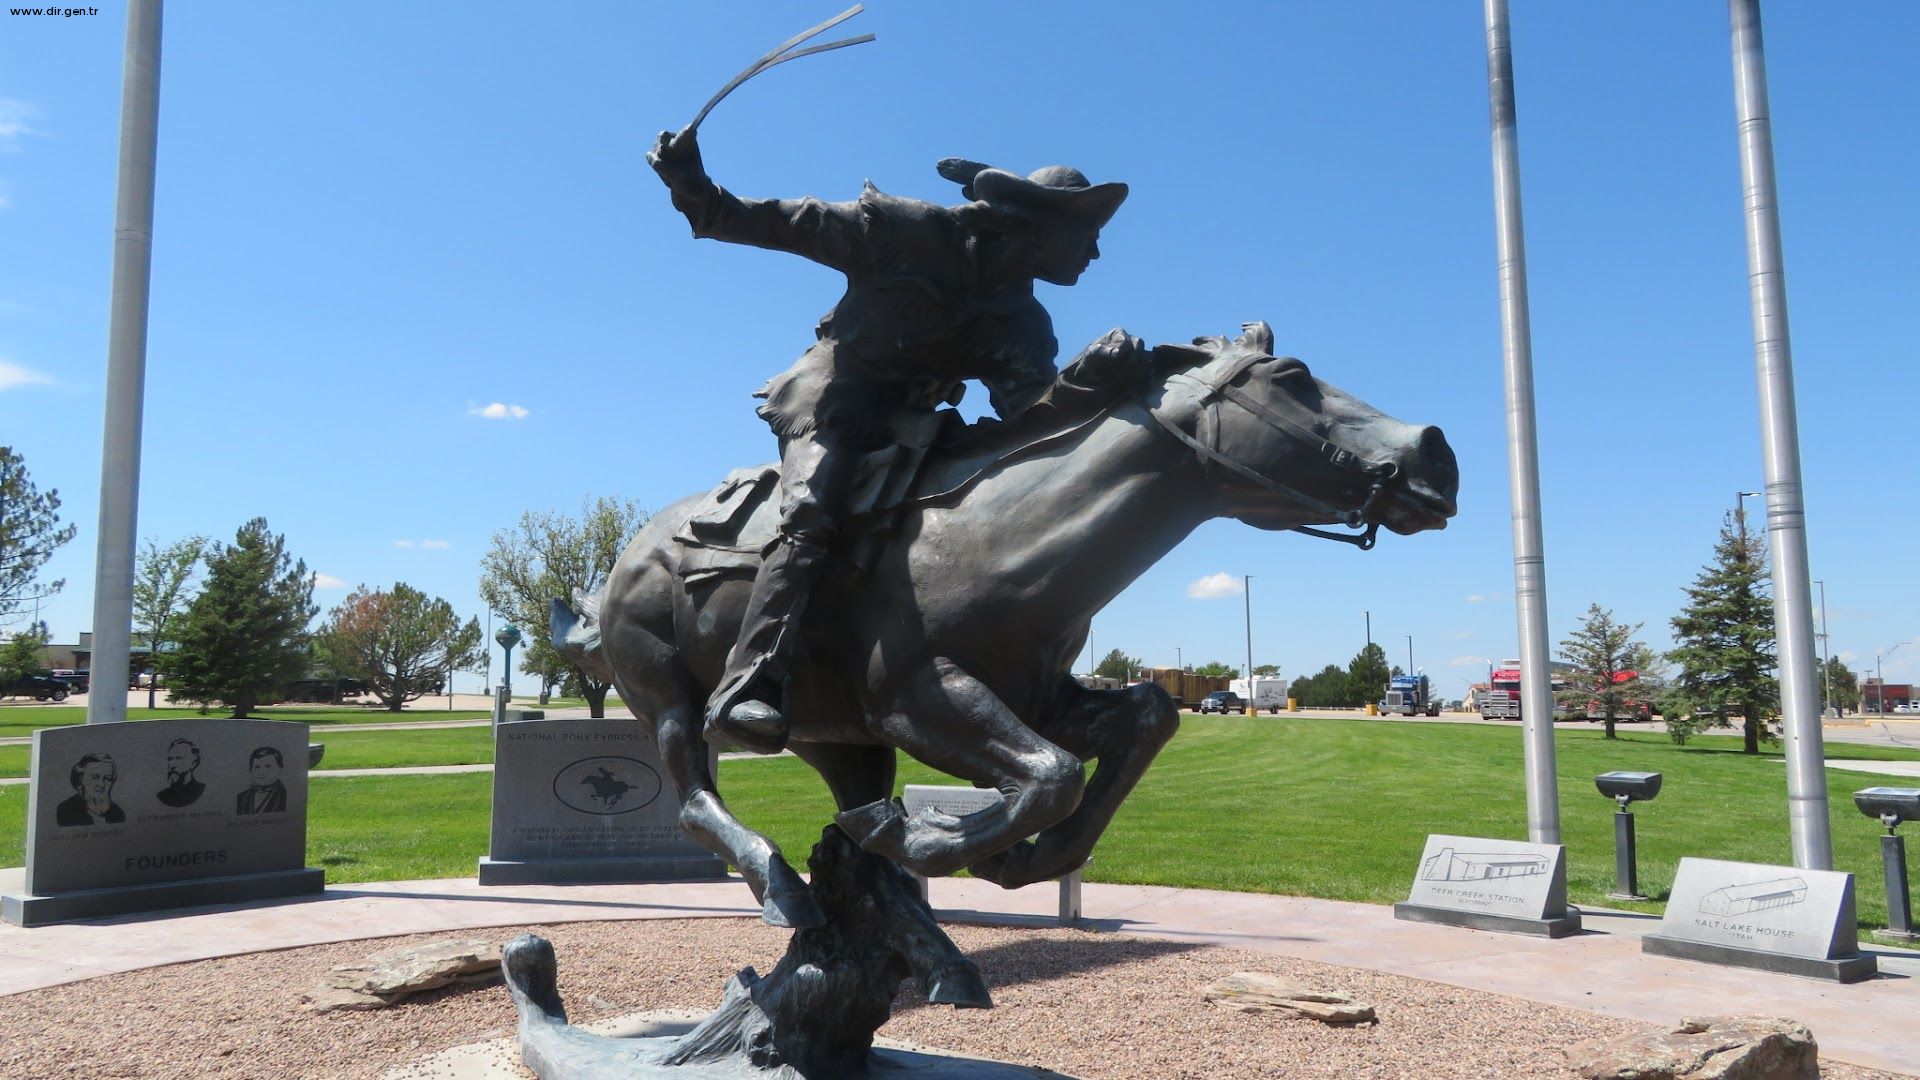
(951, 639)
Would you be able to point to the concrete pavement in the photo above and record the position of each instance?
(1602, 970)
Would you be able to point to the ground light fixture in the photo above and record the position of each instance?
(1893, 805)
(1626, 788)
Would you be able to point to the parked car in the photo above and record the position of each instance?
(78, 680)
(37, 687)
(1907, 707)
(1223, 701)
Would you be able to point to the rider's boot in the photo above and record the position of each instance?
(746, 709)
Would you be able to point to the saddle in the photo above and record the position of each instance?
(934, 458)
(734, 525)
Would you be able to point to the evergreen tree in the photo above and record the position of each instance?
(402, 644)
(29, 533)
(1325, 689)
(1725, 649)
(1367, 675)
(1604, 679)
(1117, 665)
(244, 638)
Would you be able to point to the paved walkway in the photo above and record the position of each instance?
(1601, 971)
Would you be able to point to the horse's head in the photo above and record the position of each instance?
(1284, 450)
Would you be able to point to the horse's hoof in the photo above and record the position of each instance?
(789, 902)
(959, 986)
(878, 826)
(532, 975)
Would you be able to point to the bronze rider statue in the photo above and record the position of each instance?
(935, 295)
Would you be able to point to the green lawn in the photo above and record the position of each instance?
(1332, 808)
(25, 721)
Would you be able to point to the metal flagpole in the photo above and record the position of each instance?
(1523, 454)
(1780, 445)
(126, 366)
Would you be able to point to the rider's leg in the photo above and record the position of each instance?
(747, 708)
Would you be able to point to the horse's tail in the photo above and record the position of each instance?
(575, 635)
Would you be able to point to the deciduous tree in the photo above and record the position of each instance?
(163, 587)
(1725, 644)
(30, 532)
(1117, 665)
(244, 637)
(1602, 676)
(1846, 685)
(548, 556)
(1266, 669)
(1218, 669)
(20, 654)
(401, 643)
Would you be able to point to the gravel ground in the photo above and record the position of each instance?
(1096, 1006)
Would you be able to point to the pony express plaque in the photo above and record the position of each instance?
(140, 816)
(1776, 918)
(586, 801)
(1489, 884)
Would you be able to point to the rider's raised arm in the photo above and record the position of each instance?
(829, 233)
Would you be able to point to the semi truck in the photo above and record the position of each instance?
(1502, 699)
(1410, 695)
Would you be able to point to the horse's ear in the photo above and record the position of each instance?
(1257, 336)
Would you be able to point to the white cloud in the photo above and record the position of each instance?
(1475, 598)
(403, 543)
(14, 115)
(1469, 661)
(12, 375)
(429, 545)
(1214, 586)
(497, 411)
(327, 581)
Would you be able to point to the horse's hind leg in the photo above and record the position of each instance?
(857, 776)
(1124, 730)
(656, 686)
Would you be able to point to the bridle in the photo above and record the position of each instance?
(1217, 386)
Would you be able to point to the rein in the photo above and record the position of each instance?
(1205, 443)
(1206, 446)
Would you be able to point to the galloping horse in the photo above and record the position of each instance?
(953, 642)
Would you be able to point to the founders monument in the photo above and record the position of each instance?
(904, 581)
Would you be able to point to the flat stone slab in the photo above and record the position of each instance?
(1488, 884)
(586, 801)
(137, 816)
(500, 1058)
(1773, 918)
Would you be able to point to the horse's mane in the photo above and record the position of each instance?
(1094, 383)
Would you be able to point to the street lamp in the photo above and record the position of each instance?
(1880, 680)
(1409, 654)
(1246, 590)
(1826, 676)
(1740, 515)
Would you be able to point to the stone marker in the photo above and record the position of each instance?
(393, 975)
(586, 801)
(1250, 991)
(141, 816)
(1705, 1048)
(1505, 885)
(961, 801)
(1775, 918)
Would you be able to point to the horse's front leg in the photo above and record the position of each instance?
(1123, 730)
(949, 720)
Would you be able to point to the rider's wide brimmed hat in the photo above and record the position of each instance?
(1056, 191)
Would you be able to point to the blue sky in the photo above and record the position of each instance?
(375, 222)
